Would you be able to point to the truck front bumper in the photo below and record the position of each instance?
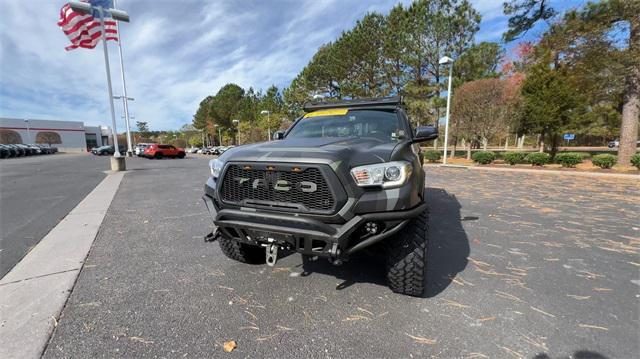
(306, 235)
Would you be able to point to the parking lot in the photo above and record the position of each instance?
(36, 192)
(521, 265)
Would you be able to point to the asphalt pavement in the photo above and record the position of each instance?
(36, 193)
(521, 265)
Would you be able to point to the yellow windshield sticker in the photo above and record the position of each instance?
(331, 112)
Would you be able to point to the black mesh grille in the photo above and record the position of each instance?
(256, 187)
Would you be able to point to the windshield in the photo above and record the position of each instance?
(382, 125)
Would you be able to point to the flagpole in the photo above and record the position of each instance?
(124, 88)
(106, 63)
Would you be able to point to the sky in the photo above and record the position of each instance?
(177, 52)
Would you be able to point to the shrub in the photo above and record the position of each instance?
(635, 160)
(432, 155)
(538, 158)
(513, 158)
(569, 159)
(604, 160)
(483, 157)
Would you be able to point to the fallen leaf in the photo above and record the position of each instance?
(229, 346)
(543, 312)
(141, 340)
(422, 340)
(592, 327)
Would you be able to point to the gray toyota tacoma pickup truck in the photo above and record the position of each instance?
(343, 177)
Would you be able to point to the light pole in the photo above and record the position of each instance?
(126, 116)
(443, 61)
(28, 130)
(118, 15)
(124, 89)
(268, 113)
(237, 123)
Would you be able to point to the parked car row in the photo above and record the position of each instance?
(211, 150)
(19, 150)
(107, 150)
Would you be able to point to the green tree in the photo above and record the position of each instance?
(394, 45)
(361, 60)
(143, 128)
(436, 28)
(203, 114)
(480, 61)
(587, 44)
(551, 104)
(524, 14)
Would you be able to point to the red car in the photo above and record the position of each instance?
(160, 151)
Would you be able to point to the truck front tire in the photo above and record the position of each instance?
(241, 252)
(407, 258)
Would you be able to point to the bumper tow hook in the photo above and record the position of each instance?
(272, 254)
(213, 236)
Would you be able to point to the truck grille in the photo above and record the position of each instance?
(305, 191)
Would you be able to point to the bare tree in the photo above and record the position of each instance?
(481, 110)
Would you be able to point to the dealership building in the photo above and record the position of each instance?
(68, 136)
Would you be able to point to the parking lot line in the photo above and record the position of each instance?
(34, 292)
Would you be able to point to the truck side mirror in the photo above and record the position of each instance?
(425, 133)
(278, 135)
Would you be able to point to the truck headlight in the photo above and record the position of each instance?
(215, 166)
(387, 175)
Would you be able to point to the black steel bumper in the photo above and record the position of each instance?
(303, 234)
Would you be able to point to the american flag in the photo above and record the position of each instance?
(84, 30)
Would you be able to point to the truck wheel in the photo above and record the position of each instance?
(241, 252)
(407, 258)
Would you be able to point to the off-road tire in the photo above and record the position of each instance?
(407, 258)
(241, 252)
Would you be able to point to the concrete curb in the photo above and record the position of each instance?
(554, 172)
(34, 292)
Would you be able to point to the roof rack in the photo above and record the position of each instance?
(374, 102)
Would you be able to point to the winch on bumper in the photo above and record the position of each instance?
(307, 235)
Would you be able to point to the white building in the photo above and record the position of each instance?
(68, 136)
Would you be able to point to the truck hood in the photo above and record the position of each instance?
(327, 150)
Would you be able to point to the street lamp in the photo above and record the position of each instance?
(118, 15)
(126, 116)
(268, 113)
(124, 86)
(237, 123)
(443, 61)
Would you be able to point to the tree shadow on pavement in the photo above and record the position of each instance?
(447, 251)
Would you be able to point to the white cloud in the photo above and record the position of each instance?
(175, 54)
